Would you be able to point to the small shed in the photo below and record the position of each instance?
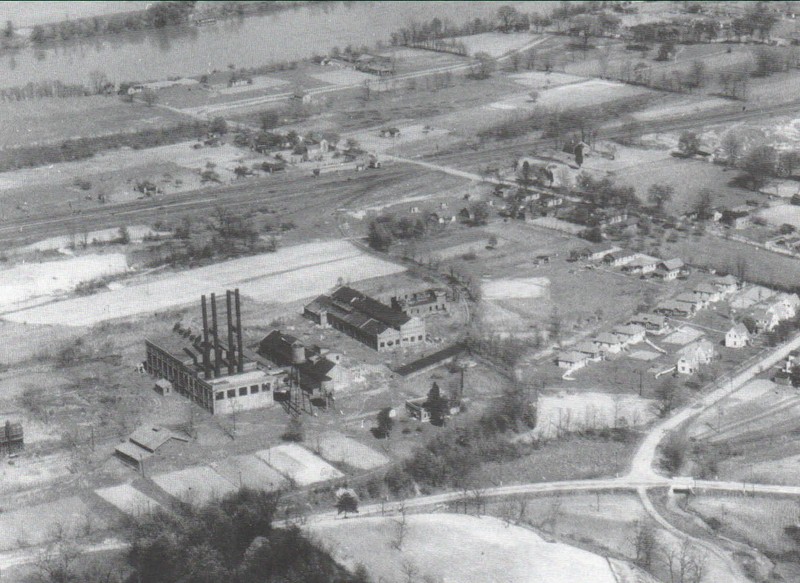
(163, 387)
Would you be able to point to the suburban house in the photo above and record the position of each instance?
(551, 200)
(598, 253)
(765, 319)
(609, 343)
(694, 355)
(707, 292)
(790, 301)
(643, 264)
(652, 323)
(620, 258)
(631, 333)
(572, 360)
(366, 319)
(693, 299)
(670, 269)
(591, 351)
(673, 308)
(726, 285)
(738, 218)
(737, 337)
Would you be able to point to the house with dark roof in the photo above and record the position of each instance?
(652, 323)
(670, 269)
(365, 319)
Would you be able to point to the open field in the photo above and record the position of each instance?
(128, 499)
(462, 548)
(43, 121)
(287, 275)
(196, 485)
(502, 289)
(249, 471)
(782, 214)
(36, 280)
(298, 464)
(566, 412)
(36, 525)
(335, 447)
(495, 43)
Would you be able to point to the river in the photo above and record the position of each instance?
(290, 34)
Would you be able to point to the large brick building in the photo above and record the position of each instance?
(367, 320)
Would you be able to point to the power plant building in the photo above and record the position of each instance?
(219, 375)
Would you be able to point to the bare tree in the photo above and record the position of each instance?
(644, 544)
(58, 562)
(149, 97)
(401, 528)
(410, 571)
(732, 144)
(685, 563)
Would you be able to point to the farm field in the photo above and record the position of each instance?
(249, 471)
(36, 525)
(338, 448)
(287, 275)
(465, 548)
(195, 485)
(298, 464)
(48, 120)
(128, 499)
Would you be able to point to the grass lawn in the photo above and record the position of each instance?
(43, 121)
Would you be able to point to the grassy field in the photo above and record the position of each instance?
(43, 121)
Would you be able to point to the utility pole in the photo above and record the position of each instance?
(641, 376)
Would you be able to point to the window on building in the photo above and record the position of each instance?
(265, 387)
(242, 391)
(420, 336)
(231, 393)
(253, 389)
(383, 345)
(219, 396)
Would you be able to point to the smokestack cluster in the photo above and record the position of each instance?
(234, 351)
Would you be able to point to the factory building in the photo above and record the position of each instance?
(219, 375)
(367, 320)
(426, 303)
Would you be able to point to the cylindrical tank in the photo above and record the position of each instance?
(298, 353)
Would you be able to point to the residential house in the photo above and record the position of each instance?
(670, 269)
(643, 264)
(572, 360)
(551, 200)
(609, 343)
(652, 323)
(592, 352)
(790, 303)
(620, 258)
(737, 218)
(630, 333)
(693, 299)
(726, 285)
(599, 252)
(707, 292)
(673, 308)
(694, 355)
(765, 319)
(737, 337)
(389, 132)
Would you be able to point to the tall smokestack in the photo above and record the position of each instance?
(206, 359)
(232, 351)
(215, 334)
(240, 349)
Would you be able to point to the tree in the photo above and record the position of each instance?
(666, 395)
(379, 237)
(124, 236)
(268, 120)
(98, 81)
(659, 195)
(673, 452)
(352, 145)
(218, 126)
(346, 501)
(644, 544)
(8, 31)
(732, 144)
(684, 563)
(688, 143)
(484, 66)
(759, 166)
(788, 162)
(149, 97)
(665, 51)
(704, 204)
(480, 213)
(492, 242)
(294, 431)
(385, 422)
(507, 15)
(697, 74)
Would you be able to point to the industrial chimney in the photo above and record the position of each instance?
(215, 335)
(206, 357)
(240, 349)
(231, 356)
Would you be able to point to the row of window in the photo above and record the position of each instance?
(407, 340)
(243, 392)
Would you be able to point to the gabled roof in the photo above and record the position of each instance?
(705, 288)
(608, 338)
(672, 264)
(629, 330)
(688, 298)
(587, 348)
(370, 307)
(740, 329)
(571, 356)
(649, 319)
(727, 280)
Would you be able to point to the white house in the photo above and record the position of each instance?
(707, 293)
(599, 252)
(592, 352)
(620, 258)
(652, 323)
(632, 333)
(765, 319)
(737, 337)
(694, 355)
(610, 343)
(726, 285)
(572, 360)
(669, 270)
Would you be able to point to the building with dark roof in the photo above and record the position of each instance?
(367, 320)
(425, 303)
(317, 370)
